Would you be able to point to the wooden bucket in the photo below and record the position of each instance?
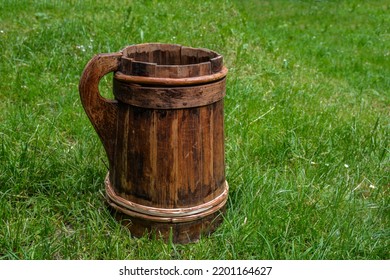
(164, 137)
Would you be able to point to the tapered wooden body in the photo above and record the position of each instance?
(164, 137)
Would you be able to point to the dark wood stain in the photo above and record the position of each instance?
(165, 143)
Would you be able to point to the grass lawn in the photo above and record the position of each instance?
(306, 121)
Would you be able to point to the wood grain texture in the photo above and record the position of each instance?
(169, 97)
(163, 135)
(101, 112)
(169, 158)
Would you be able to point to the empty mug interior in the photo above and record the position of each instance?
(169, 61)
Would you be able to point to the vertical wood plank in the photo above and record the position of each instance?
(219, 150)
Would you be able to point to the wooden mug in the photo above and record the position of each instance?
(164, 137)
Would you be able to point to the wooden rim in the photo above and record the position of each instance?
(169, 65)
(173, 215)
(171, 81)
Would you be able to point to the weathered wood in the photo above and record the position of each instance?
(170, 61)
(181, 232)
(169, 97)
(101, 111)
(169, 158)
(159, 81)
(162, 54)
(163, 135)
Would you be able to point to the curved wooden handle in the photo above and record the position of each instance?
(102, 112)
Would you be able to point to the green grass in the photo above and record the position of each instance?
(306, 115)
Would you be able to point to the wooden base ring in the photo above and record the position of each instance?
(185, 224)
